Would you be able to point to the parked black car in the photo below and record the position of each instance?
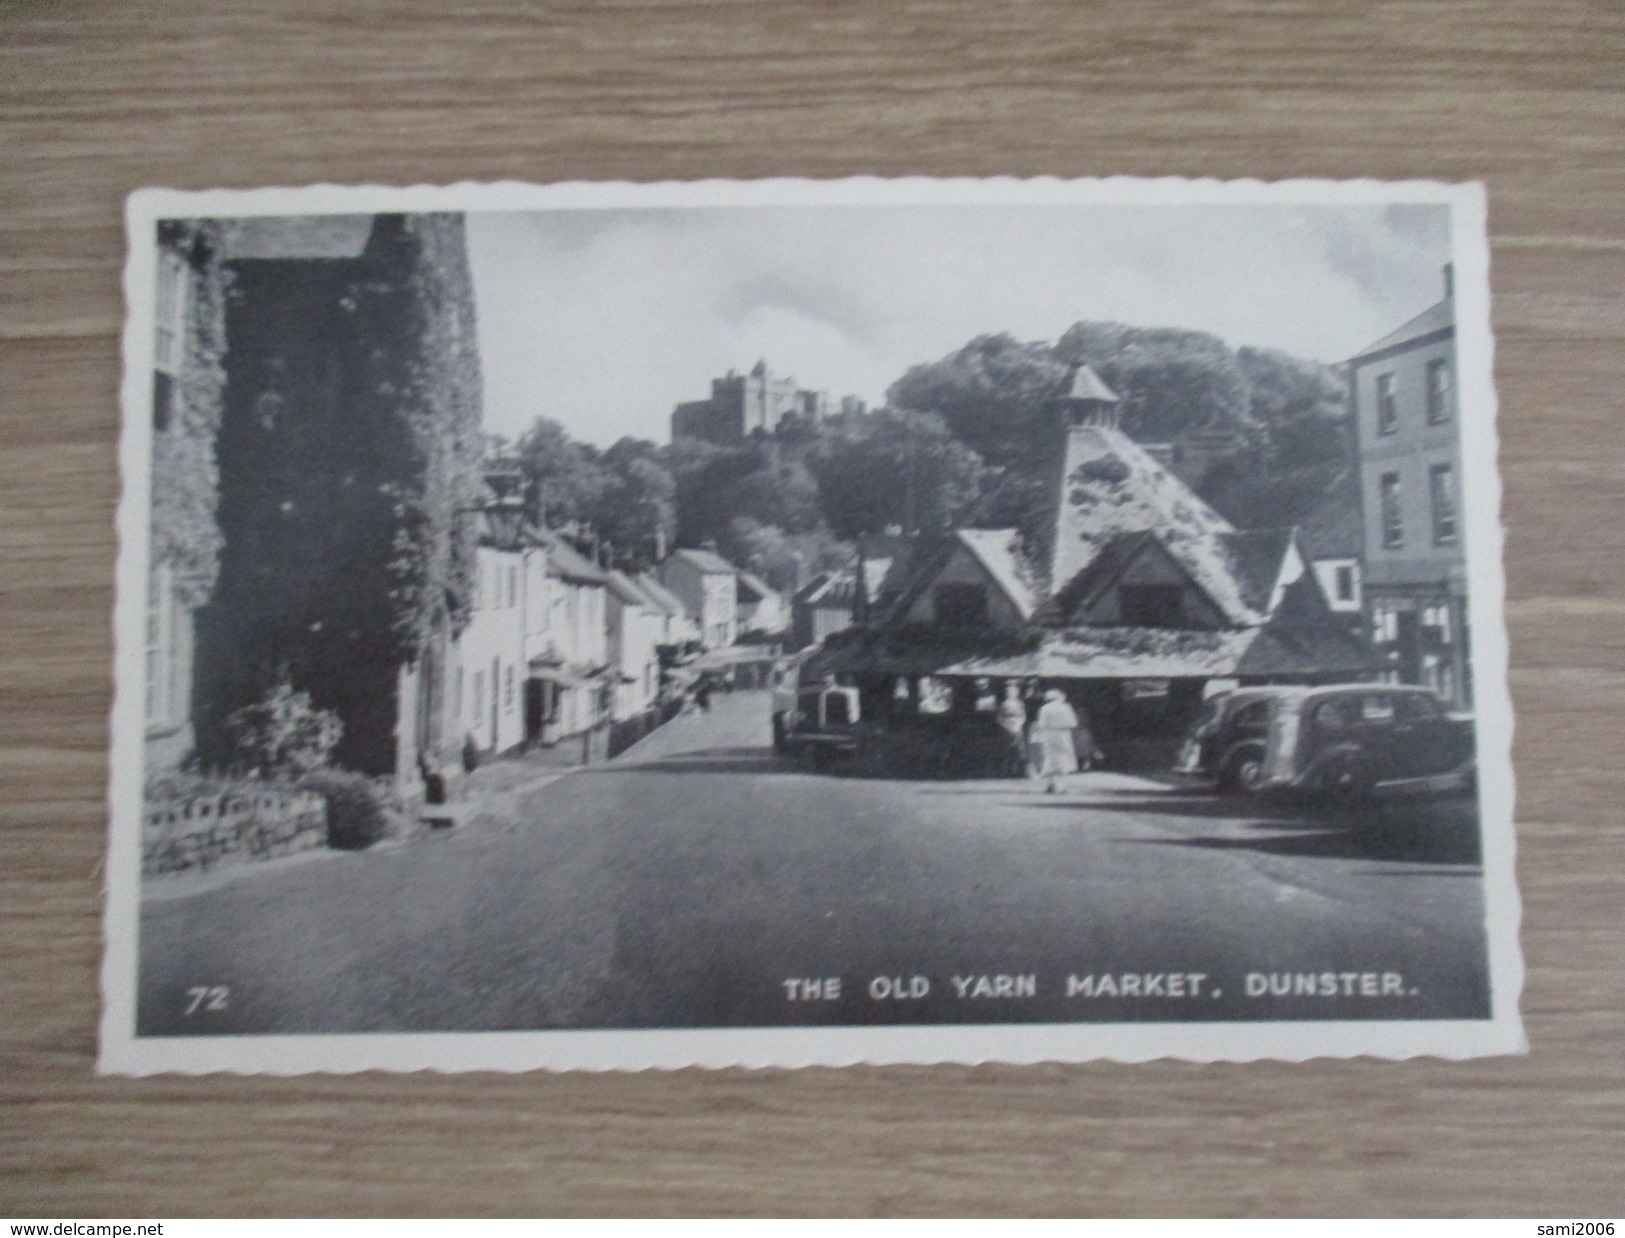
(1345, 740)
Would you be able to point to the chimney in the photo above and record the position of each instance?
(1449, 281)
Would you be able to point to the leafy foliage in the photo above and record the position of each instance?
(358, 812)
(624, 498)
(185, 473)
(285, 733)
(897, 468)
(349, 453)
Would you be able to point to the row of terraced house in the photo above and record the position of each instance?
(325, 518)
(559, 647)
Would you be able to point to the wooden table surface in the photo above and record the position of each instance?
(97, 99)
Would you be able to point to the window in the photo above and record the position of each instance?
(513, 587)
(1377, 708)
(1416, 707)
(1253, 719)
(959, 604)
(457, 695)
(1343, 583)
(1152, 606)
(507, 691)
(479, 696)
(1334, 715)
(1442, 492)
(1393, 524)
(478, 600)
(837, 709)
(1438, 384)
(1387, 405)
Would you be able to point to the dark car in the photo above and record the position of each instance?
(1346, 740)
(1226, 746)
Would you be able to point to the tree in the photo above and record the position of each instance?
(994, 394)
(1302, 406)
(785, 560)
(897, 468)
(564, 480)
(1171, 381)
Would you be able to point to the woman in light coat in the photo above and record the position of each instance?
(1052, 733)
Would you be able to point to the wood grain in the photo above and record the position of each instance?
(97, 99)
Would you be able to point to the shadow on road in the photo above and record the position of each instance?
(703, 761)
(1418, 831)
(1431, 847)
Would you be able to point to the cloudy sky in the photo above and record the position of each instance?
(603, 320)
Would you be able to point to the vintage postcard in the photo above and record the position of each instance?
(784, 623)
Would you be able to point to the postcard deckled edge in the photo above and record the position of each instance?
(122, 1052)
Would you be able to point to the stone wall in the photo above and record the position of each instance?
(200, 832)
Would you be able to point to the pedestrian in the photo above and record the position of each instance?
(702, 693)
(1083, 741)
(1053, 733)
(1013, 721)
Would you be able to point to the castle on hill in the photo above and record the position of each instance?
(742, 404)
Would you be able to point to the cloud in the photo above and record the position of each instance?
(605, 320)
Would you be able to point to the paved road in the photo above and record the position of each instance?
(685, 882)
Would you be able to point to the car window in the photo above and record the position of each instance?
(1377, 707)
(1253, 717)
(1415, 707)
(1336, 714)
(837, 709)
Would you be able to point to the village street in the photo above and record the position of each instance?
(687, 881)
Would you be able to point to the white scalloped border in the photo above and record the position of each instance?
(123, 1053)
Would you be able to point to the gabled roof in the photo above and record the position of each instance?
(301, 236)
(1167, 653)
(996, 551)
(1256, 557)
(567, 563)
(830, 589)
(752, 588)
(707, 561)
(626, 589)
(1102, 572)
(1111, 486)
(999, 553)
(1253, 560)
(1435, 318)
(661, 596)
(1334, 529)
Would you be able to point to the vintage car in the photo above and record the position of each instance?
(817, 723)
(1346, 740)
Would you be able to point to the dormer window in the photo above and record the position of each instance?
(1152, 606)
(960, 605)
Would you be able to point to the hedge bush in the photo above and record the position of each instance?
(358, 813)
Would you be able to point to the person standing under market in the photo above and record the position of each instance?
(1053, 736)
(1013, 721)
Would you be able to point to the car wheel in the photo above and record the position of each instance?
(1344, 780)
(1243, 773)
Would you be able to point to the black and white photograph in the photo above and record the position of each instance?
(789, 623)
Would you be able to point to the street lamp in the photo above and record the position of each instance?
(505, 518)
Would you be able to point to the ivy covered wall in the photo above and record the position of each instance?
(186, 419)
(348, 457)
